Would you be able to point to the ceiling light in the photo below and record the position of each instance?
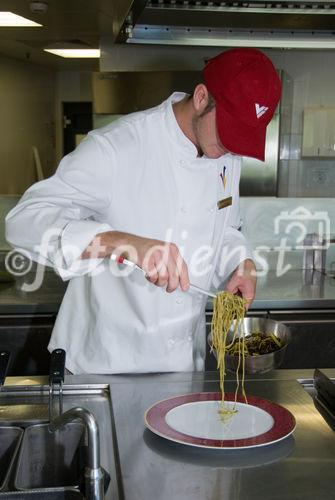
(10, 19)
(72, 49)
(73, 53)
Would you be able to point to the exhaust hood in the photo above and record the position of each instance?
(262, 23)
(186, 33)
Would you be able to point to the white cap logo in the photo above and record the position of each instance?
(260, 110)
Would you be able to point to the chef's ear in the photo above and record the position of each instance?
(201, 98)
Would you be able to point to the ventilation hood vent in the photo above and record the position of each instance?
(195, 22)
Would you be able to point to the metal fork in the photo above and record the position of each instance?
(126, 262)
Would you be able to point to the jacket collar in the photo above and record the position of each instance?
(186, 149)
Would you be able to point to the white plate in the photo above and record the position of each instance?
(193, 419)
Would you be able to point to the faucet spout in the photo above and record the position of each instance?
(94, 474)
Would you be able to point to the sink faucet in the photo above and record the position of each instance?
(94, 474)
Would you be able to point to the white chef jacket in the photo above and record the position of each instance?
(139, 175)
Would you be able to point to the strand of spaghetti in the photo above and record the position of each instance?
(243, 368)
(227, 308)
(237, 377)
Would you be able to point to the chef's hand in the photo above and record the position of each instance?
(243, 281)
(161, 261)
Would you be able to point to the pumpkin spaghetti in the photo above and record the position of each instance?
(227, 308)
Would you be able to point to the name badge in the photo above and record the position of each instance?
(226, 202)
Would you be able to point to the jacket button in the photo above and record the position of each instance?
(182, 162)
(211, 210)
(183, 209)
(179, 300)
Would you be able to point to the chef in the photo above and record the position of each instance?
(161, 188)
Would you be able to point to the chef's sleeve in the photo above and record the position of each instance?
(57, 218)
(234, 247)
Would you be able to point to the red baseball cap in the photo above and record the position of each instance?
(246, 88)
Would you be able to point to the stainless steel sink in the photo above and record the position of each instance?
(10, 438)
(37, 463)
(50, 459)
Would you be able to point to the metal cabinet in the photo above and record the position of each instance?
(313, 338)
(318, 139)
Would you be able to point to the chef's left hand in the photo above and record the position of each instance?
(243, 281)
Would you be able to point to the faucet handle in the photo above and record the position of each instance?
(56, 377)
(57, 367)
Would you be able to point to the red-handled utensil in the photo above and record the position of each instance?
(121, 260)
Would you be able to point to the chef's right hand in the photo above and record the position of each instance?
(161, 261)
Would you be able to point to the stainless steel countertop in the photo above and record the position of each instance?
(299, 467)
(294, 290)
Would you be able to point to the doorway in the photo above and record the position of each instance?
(77, 122)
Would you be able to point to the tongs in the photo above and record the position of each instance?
(56, 379)
(126, 262)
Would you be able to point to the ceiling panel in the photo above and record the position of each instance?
(65, 20)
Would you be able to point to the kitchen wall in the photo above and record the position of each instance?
(276, 228)
(31, 99)
(70, 86)
(26, 120)
(313, 76)
(7, 202)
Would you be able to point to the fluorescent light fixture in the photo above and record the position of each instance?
(75, 53)
(10, 19)
(72, 49)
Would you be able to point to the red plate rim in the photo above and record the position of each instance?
(283, 426)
